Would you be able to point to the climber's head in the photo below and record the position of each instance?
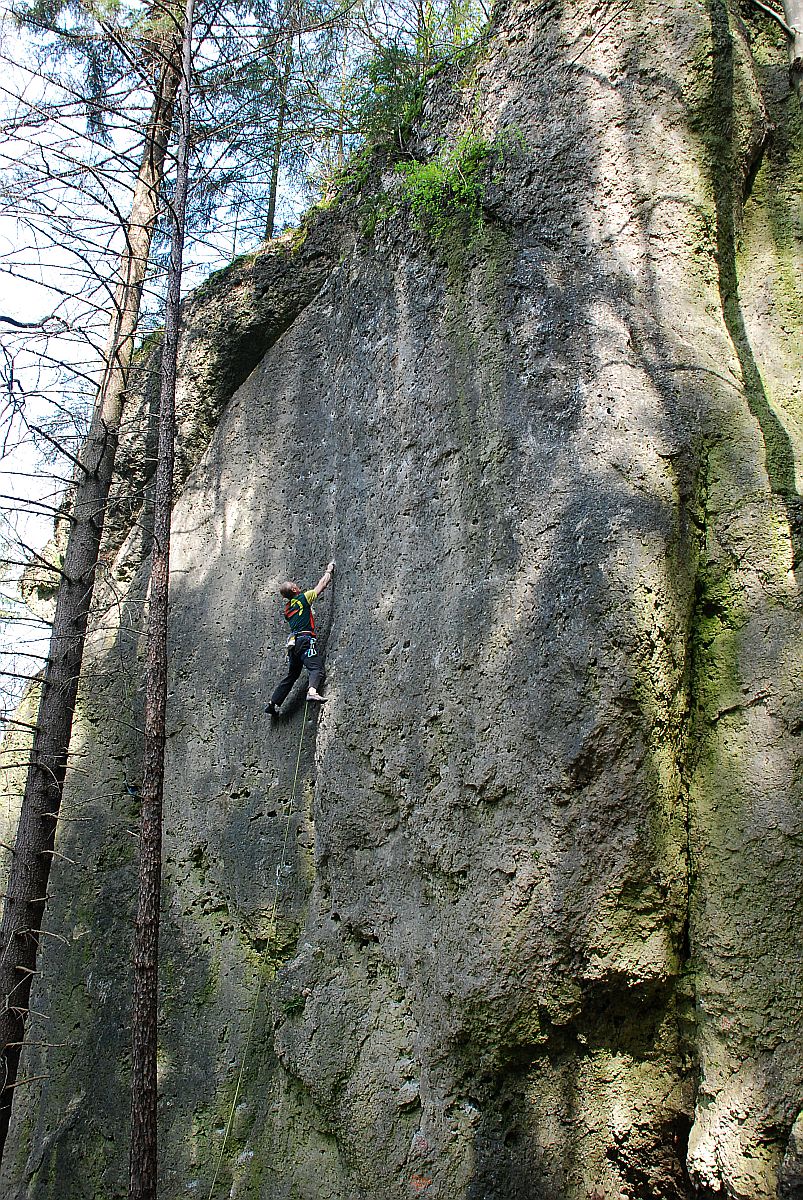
(289, 589)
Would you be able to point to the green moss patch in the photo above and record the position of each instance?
(449, 186)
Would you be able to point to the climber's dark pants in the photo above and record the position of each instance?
(303, 654)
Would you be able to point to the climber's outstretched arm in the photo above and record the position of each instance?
(325, 579)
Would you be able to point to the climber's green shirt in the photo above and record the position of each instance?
(298, 612)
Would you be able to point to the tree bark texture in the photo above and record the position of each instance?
(34, 848)
(287, 67)
(143, 1176)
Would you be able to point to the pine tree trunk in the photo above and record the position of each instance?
(143, 1174)
(341, 119)
(278, 145)
(33, 851)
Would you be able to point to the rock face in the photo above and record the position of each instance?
(527, 924)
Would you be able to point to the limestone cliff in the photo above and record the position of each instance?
(538, 928)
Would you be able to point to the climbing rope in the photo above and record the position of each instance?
(258, 996)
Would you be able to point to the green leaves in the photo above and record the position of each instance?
(390, 99)
(448, 187)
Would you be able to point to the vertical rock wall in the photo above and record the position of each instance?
(535, 893)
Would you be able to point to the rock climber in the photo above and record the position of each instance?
(302, 649)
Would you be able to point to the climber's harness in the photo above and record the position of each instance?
(304, 643)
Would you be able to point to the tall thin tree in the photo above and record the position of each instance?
(26, 892)
(144, 1091)
(281, 114)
